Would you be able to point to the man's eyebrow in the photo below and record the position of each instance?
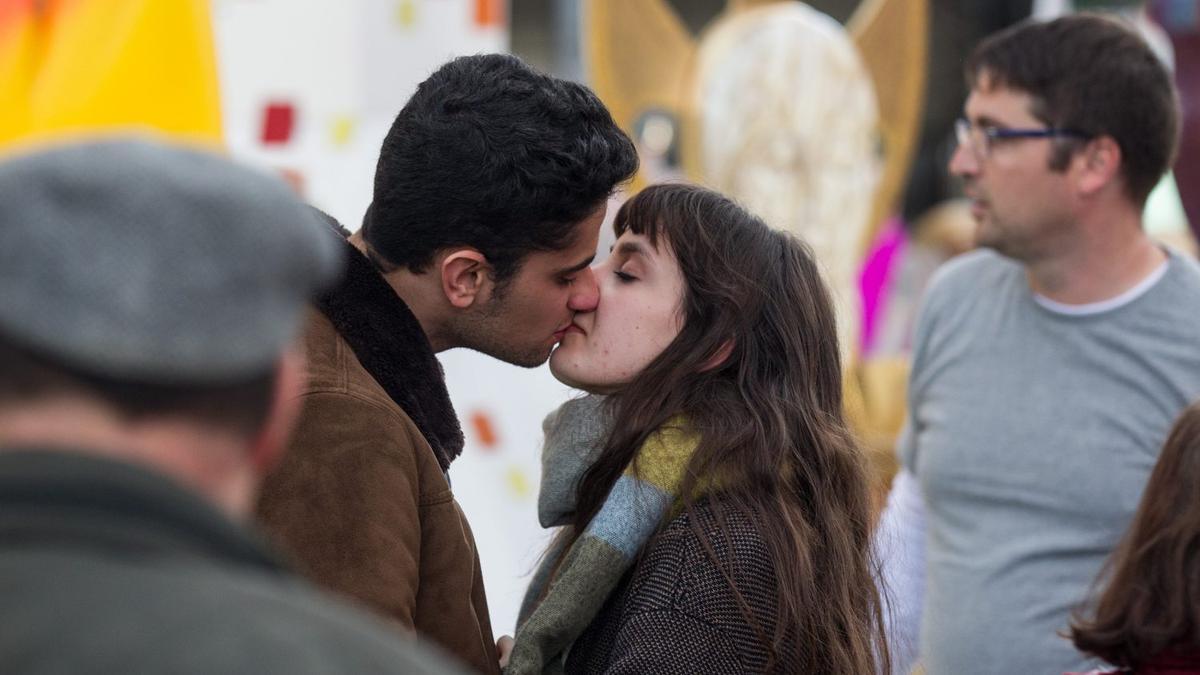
(985, 121)
(568, 271)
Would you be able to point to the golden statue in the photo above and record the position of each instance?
(810, 124)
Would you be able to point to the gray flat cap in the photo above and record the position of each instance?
(140, 260)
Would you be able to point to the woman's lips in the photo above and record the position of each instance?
(978, 209)
(569, 328)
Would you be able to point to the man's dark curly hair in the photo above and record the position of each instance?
(492, 154)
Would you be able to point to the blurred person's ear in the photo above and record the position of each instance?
(719, 357)
(1098, 165)
(466, 276)
(269, 443)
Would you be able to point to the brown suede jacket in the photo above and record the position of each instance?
(361, 500)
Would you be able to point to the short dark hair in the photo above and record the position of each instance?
(242, 406)
(491, 154)
(1094, 74)
(1150, 602)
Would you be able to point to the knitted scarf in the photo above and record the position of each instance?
(560, 603)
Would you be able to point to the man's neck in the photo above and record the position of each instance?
(419, 292)
(1102, 262)
(211, 462)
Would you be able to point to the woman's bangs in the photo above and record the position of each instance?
(642, 215)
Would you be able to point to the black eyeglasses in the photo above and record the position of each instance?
(979, 139)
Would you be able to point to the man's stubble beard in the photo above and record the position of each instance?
(485, 332)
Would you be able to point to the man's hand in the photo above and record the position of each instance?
(504, 647)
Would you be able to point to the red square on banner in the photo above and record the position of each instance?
(279, 120)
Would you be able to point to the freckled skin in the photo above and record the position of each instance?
(637, 316)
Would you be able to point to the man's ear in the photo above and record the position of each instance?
(466, 276)
(1098, 164)
(267, 446)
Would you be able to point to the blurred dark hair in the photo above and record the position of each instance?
(769, 419)
(491, 154)
(1094, 74)
(242, 406)
(1150, 600)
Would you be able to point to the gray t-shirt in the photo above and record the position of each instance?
(1032, 433)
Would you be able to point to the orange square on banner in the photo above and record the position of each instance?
(484, 429)
(489, 13)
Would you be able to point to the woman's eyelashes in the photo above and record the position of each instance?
(625, 277)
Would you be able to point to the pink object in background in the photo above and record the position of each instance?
(1181, 20)
(875, 279)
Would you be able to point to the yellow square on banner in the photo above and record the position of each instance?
(406, 13)
(519, 484)
(341, 130)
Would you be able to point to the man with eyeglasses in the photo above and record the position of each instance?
(1049, 364)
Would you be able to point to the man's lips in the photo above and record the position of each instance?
(569, 328)
(979, 205)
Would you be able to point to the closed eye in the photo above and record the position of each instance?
(625, 277)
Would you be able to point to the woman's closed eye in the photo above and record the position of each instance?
(625, 277)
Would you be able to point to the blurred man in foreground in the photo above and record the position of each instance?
(149, 298)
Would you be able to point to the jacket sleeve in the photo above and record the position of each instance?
(344, 502)
(900, 546)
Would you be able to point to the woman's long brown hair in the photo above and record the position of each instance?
(1151, 601)
(769, 418)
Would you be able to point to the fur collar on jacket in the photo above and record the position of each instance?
(388, 341)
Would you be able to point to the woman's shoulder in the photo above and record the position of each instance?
(694, 552)
(677, 596)
(731, 531)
